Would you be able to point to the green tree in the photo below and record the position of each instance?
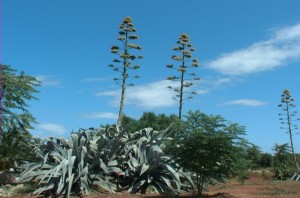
(254, 155)
(16, 120)
(16, 90)
(266, 160)
(157, 122)
(185, 77)
(210, 147)
(283, 162)
(123, 63)
(282, 152)
(288, 119)
(149, 119)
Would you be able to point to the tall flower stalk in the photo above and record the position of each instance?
(126, 57)
(288, 119)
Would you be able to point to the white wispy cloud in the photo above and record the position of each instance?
(100, 115)
(52, 128)
(149, 96)
(282, 47)
(246, 102)
(47, 80)
(211, 83)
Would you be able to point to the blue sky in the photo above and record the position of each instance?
(249, 52)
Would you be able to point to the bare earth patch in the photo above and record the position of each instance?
(259, 185)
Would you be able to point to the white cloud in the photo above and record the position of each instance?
(149, 96)
(52, 128)
(246, 102)
(211, 83)
(282, 47)
(47, 81)
(100, 115)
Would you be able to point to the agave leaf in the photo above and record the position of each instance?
(144, 168)
(113, 163)
(82, 141)
(103, 166)
(174, 174)
(46, 158)
(188, 177)
(84, 181)
(88, 135)
(70, 181)
(75, 149)
(60, 149)
(63, 141)
(81, 163)
(56, 155)
(42, 189)
(71, 160)
(106, 185)
(116, 170)
(136, 186)
(133, 163)
(167, 181)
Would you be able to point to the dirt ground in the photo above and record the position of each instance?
(259, 185)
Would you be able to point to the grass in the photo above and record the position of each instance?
(277, 191)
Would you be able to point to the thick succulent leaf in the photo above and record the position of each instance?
(167, 181)
(113, 163)
(70, 183)
(136, 186)
(188, 177)
(84, 181)
(144, 168)
(116, 170)
(43, 189)
(103, 166)
(174, 174)
(110, 187)
(62, 152)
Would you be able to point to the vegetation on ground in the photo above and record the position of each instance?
(15, 118)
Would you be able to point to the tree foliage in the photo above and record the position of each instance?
(16, 120)
(210, 147)
(149, 119)
(126, 57)
(283, 162)
(185, 78)
(254, 155)
(17, 90)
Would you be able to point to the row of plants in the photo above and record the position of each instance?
(204, 149)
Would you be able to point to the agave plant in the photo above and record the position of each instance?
(68, 166)
(146, 164)
(110, 158)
